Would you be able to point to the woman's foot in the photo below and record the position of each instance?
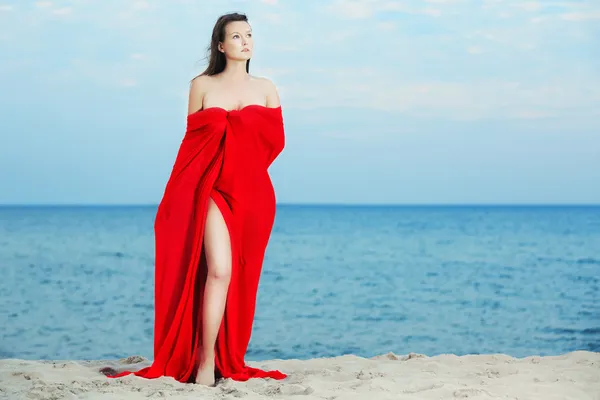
(206, 373)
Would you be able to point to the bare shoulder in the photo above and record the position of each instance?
(198, 88)
(266, 84)
(270, 90)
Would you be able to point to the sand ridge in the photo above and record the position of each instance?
(572, 376)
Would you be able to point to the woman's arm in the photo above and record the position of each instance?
(196, 97)
(272, 94)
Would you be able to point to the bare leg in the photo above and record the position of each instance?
(217, 247)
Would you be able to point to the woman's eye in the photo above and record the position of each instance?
(236, 36)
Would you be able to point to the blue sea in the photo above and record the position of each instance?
(78, 282)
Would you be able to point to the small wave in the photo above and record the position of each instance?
(588, 260)
(6, 354)
(561, 331)
(579, 261)
(115, 254)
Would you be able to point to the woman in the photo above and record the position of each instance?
(215, 218)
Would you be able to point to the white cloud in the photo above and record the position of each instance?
(63, 11)
(386, 26)
(43, 4)
(565, 10)
(530, 114)
(432, 12)
(4, 7)
(422, 73)
(581, 16)
(353, 8)
(474, 50)
(530, 6)
(477, 99)
(446, 2)
(105, 73)
(141, 5)
(128, 82)
(362, 9)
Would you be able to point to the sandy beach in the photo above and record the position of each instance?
(575, 375)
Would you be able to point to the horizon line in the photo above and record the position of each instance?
(324, 204)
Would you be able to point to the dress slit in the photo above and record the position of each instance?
(227, 216)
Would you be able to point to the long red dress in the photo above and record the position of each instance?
(224, 155)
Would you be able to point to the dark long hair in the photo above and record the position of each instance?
(216, 59)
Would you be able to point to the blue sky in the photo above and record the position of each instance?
(412, 101)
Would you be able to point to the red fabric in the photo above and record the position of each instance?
(224, 155)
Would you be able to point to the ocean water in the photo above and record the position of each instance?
(77, 282)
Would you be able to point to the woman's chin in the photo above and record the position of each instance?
(241, 57)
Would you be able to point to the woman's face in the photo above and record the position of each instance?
(238, 41)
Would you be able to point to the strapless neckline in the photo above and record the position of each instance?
(221, 109)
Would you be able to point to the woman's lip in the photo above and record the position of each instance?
(246, 50)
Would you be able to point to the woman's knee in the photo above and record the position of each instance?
(219, 271)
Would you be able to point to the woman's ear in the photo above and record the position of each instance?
(220, 47)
